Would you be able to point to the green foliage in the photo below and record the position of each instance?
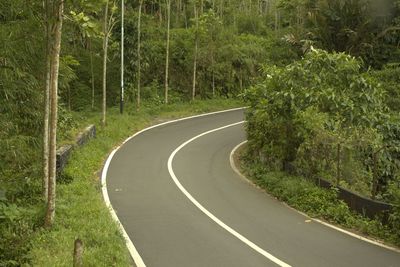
(369, 29)
(227, 62)
(251, 25)
(389, 77)
(332, 101)
(325, 117)
(65, 123)
(317, 202)
(104, 245)
(16, 227)
(394, 193)
(20, 125)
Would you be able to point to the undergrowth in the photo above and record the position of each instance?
(80, 210)
(305, 196)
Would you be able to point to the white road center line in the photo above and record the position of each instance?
(365, 239)
(208, 213)
(131, 247)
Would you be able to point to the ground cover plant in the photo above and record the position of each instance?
(323, 116)
(81, 211)
(60, 68)
(304, 195)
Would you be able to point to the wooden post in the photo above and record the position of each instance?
(338, 165)
(78, 251)
(375, 177)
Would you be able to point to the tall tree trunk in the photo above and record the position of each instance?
(241, 80)
(212, 71)
(160, 17)
(55, 63)
(185, 17)
(91, 71)
(276, 19)
(69, 98)
(45, 181)
(122, 92)
(178, 11)
(213, 84)
(195, 53)
(105, 49)
(138, 57)
(167, 52)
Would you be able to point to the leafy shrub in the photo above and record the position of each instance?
(389, 77)
(65, 123)
(394, 193)
(305, 196)
(16, 227)
(326, 117)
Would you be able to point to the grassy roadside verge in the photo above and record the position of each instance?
(305, 196)
(80, 211)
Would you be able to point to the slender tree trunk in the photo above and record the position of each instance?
(250, 7)
(167, 52)
(194, 72)
(185, 16)
(338, 156)
(91, 71)
(69, 98)
(213, 84)
(55, 62)
(177, 11)
(212, 72)
(276, 19)
(45, 181)
(195, 53)
(160, 14)
(122, 47)
(374, 175)
(138, 57)
(105, 49)
(241, 81)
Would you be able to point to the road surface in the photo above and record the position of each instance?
(181, 204)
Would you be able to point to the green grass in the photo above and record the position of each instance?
(80, 210)
(305, 196)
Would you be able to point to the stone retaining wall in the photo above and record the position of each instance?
(363, 205)
(64, 152)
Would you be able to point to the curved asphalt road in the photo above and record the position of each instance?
(167, 229)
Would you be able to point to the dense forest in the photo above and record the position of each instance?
(322, 79)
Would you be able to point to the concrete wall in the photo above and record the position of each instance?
(363, 205)
(64, 152)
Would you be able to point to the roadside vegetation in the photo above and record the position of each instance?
(321, 78)
(304, 195)
(81, 211)
(323, 116)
